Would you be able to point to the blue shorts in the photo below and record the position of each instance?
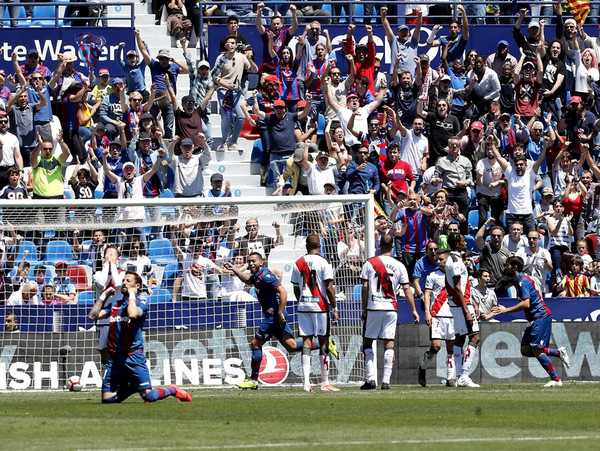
(126, 371)
(270, 328)
(537, 334)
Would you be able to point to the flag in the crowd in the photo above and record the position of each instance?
(580, 9)
(89, 48)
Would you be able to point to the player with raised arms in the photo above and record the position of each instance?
(312, 278)
(382, 276)
(539, 327)
(126, 370)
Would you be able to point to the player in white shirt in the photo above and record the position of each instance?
(382, 277)
(312, 278)
(438, 317)
(458, 287)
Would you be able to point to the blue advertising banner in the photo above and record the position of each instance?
(94, 46)
(483, 38)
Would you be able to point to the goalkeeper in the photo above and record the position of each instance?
(273, 299)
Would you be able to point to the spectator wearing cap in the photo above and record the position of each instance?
(281, 126)
(227, 74)
(403, 43)
(442, 88)
(115, 159)
(111, 110)
(471, 142)
(133, 68)
(191, 122)
(306, 51)
(135, 109)
(268, 92)
(306, 128)
(500, 57)
(187, 167)
(527, 87)
(578, 124)
(34, 64)
(457, 44)
(200, 81)
(64, 287)
(364, 55)
(68, 75)
(278, 35)
(293, 174)
(103, 87)
(530, 43)
(216, 191)
(486, 85)
(178, 25)
(320, 171)
(21, 114)
(164, 69)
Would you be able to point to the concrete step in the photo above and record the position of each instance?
(232, 169)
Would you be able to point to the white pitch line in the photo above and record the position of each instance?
(361, 443)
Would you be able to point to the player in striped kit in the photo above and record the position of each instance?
(458, 287)
(312, 278)
(539, 328)
(438, 317)
(382, 277)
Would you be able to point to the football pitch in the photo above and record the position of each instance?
(510, 416)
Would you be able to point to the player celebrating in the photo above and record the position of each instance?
(381, 278)
(466, 324)
(126, 371)
(273, 299)
(312, 277)
(537, 334)
(438, 317)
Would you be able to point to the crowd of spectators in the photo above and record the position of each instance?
(502, 147)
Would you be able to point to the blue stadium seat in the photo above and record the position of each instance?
(321, 126)
(86, 298)
(471, 244)
(257, 151)
(160, 295)
(58, 250)
(160, 252)
(474, 221)
(357, 293)
(43, 15)
(168, 210)
(32, 256)
(170, 273)
(538, 197)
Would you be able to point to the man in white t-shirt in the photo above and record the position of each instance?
(320, 172)
(520, 187)
(312, 278)
(537, 260)
(414, 148)
(382, 277)
(515, 240)
(26, 295)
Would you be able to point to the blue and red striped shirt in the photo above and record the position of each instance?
(537, 307)
(125, 335)
(415, 238)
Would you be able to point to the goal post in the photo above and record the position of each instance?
(200, 323)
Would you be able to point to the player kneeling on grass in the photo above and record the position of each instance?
(273, 299)
(126, 371)
(382, 277)
(312, 277)
(537, 333)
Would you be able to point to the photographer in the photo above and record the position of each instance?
(578, 124)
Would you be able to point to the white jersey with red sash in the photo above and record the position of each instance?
(454, 268)
(436, 282)
(309, 274)
(385, 275)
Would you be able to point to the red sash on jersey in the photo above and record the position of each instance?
(309, 279)
(385, 284)
(440, 300)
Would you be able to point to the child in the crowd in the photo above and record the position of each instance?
(583, 253)
(576, 283)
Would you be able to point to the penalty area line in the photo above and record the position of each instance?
(360, 443)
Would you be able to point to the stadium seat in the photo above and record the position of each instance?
(357, 293)
(538, 197)
(32, 256)
(160, 252)
(170, 273)
(471, 244)
(257, 151)
(81, 277)
(168, 211)
(160, 295)
(474, 221)
(86, 298)
(321, 126)
(248, 132)
(58, 250)
(43, 15)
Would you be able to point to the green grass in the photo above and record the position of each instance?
(515, 416)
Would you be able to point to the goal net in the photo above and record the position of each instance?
(200, 323)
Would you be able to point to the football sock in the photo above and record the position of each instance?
(548, 366)
(429, 355)
(257, 356)
(470, 357)
(450, 367)
(157, 394)
(324, 360)
(458, 359)
(369, 364)
(306, 365)
(388, 364)
(551, 352)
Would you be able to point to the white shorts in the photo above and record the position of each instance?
(102, 336)
(460, 324)
(313, 324)
(381, 324)
(442, 328)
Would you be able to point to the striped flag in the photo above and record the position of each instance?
(580, 9)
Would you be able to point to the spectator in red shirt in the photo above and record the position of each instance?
(395, 174)
(364, 55)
